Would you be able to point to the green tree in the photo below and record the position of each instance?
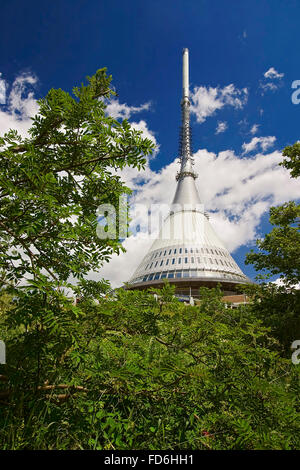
(279, 250)
(51, 184)
(292, 162)
(279, 254)
(157, 374)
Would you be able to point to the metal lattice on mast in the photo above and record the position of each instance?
(185, 143)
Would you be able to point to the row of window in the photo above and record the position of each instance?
(186, 250)
(186, 260)
(178, 275)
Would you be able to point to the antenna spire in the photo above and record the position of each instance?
(185, 73)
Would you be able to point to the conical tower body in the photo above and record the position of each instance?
(187, 251)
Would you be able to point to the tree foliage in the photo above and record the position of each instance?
(292, 162)
(279, 250)
(52, 182)
(279, 254)
(133, 372)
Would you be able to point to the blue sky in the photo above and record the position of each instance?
(140, 43)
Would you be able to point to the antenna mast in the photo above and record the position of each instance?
(185, 145)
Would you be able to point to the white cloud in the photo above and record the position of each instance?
(280, 282)
(20, 106)
(146, 133)
(254, 129)
(263, 142)
(269, 86)
(272, 80)
(121, 110)
(273, 74)
(206, 100)
(2, 90)
(221, 127)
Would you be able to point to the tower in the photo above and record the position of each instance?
(187, 251)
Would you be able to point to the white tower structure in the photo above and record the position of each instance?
(187, 251)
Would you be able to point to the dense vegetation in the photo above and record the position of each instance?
(124, 369)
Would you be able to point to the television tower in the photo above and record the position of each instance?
(187, 251)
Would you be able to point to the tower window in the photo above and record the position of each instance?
(167, 262)
(170, 251)
(173, 261)
(179, 260)
(192, 259)
(156, 264)
(162, 262)
(185, 250)
(186, 260)
(180, 251)
(175, 251)
(199, 260)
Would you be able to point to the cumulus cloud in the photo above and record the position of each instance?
(146, 133)
(280, 282)
(2, 90)
(206, 100)
(221, 127)
(272, 80)
(121, 110)
(263, 142)
(254, 129)
(20, 105)
(269, 86)
(272, 73)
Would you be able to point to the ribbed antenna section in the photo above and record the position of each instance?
(185, 135)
